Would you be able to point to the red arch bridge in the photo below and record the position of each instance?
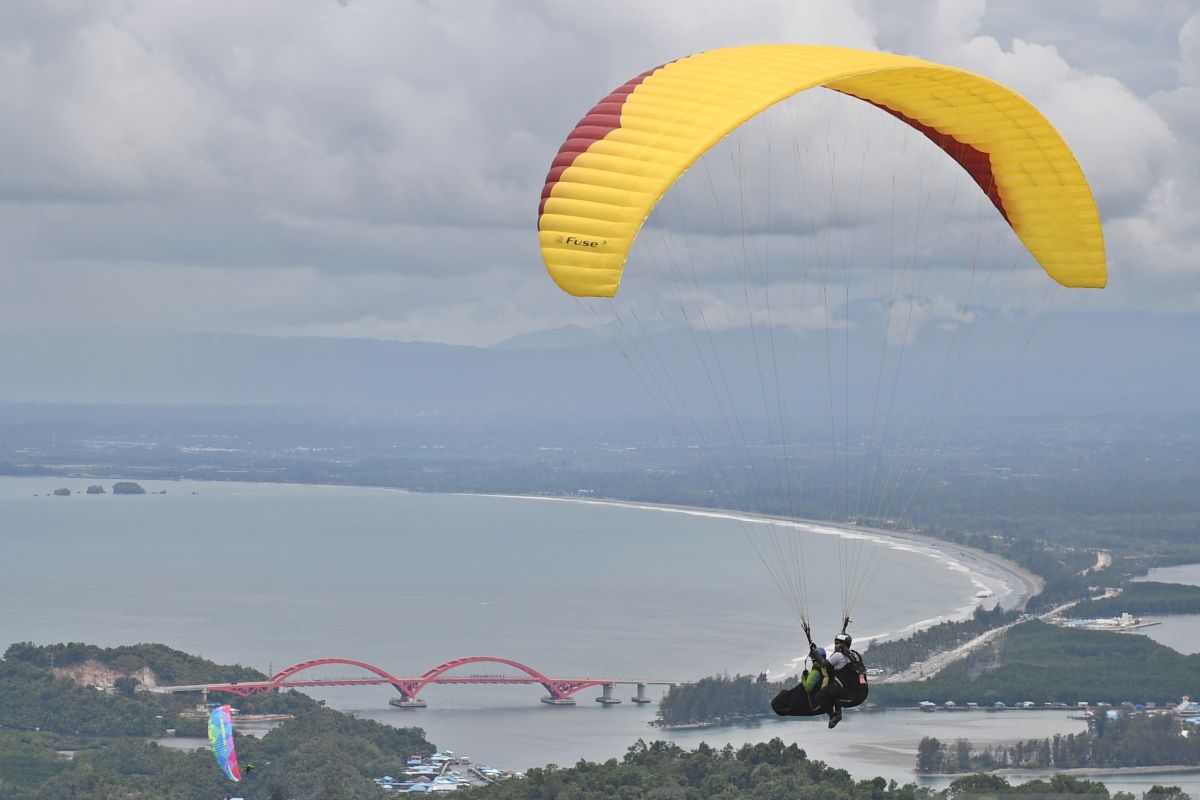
(559, 690)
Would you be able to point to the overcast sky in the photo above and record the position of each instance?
(371, 168)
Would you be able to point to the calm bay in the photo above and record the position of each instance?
(270, 575)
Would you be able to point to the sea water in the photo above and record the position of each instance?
(1178, 631)
(272, 575)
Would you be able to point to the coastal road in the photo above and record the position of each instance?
(924, 670)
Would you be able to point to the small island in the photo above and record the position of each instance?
(95, 488)
(127, 487)
(63, 492)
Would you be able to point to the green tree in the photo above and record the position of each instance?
(126, 685)
(962, 755)
(982, 786)
(930, 757)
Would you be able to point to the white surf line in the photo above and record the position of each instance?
(935, 550)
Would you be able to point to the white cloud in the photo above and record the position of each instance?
(910, 315)
(1189, 52)
(372, 168)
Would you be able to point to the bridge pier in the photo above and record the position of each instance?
(560, 691)
(407, 702)
(606, 697)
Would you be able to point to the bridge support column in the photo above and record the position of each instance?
(640, 698)
(606, 697)
(551, 700)
(407, 702)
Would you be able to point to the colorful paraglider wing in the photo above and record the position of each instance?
(220, 736)
(628, 150)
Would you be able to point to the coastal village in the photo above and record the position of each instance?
(1187, 710)
(442, 772)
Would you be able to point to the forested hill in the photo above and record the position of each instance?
(1039, 662)
(169, 666)
(1143, 597)
(318, 753)
(1033, 661)
(768, 771)
(325, 754)
(1123, 369)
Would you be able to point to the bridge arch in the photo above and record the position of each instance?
(281, 677)
(559, 690)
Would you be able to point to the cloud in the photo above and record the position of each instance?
(909, 316)
(1139, 151)
(371, 168)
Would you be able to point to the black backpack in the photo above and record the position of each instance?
(853, 679)
(853, 676)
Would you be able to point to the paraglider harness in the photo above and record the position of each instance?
(852, 678)
(799, 700)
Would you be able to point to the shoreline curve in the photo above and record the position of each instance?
(1025, 585)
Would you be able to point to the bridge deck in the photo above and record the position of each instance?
(376, 681)
(559, 688)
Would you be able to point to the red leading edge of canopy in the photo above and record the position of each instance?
(976, 162)
(603, 119)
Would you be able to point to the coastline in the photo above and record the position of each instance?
(1024, 584)
(1019, 584)
(1018, 772)
(1009, 583)
(890, 735)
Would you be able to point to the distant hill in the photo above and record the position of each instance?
(382, 379)
(566, 337)
(1069, 364)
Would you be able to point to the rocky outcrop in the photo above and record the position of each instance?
(93, 673)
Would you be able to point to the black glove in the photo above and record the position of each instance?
(812, 652)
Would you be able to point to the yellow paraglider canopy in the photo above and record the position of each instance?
(628, 150)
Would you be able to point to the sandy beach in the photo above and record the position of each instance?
(1021, 584)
